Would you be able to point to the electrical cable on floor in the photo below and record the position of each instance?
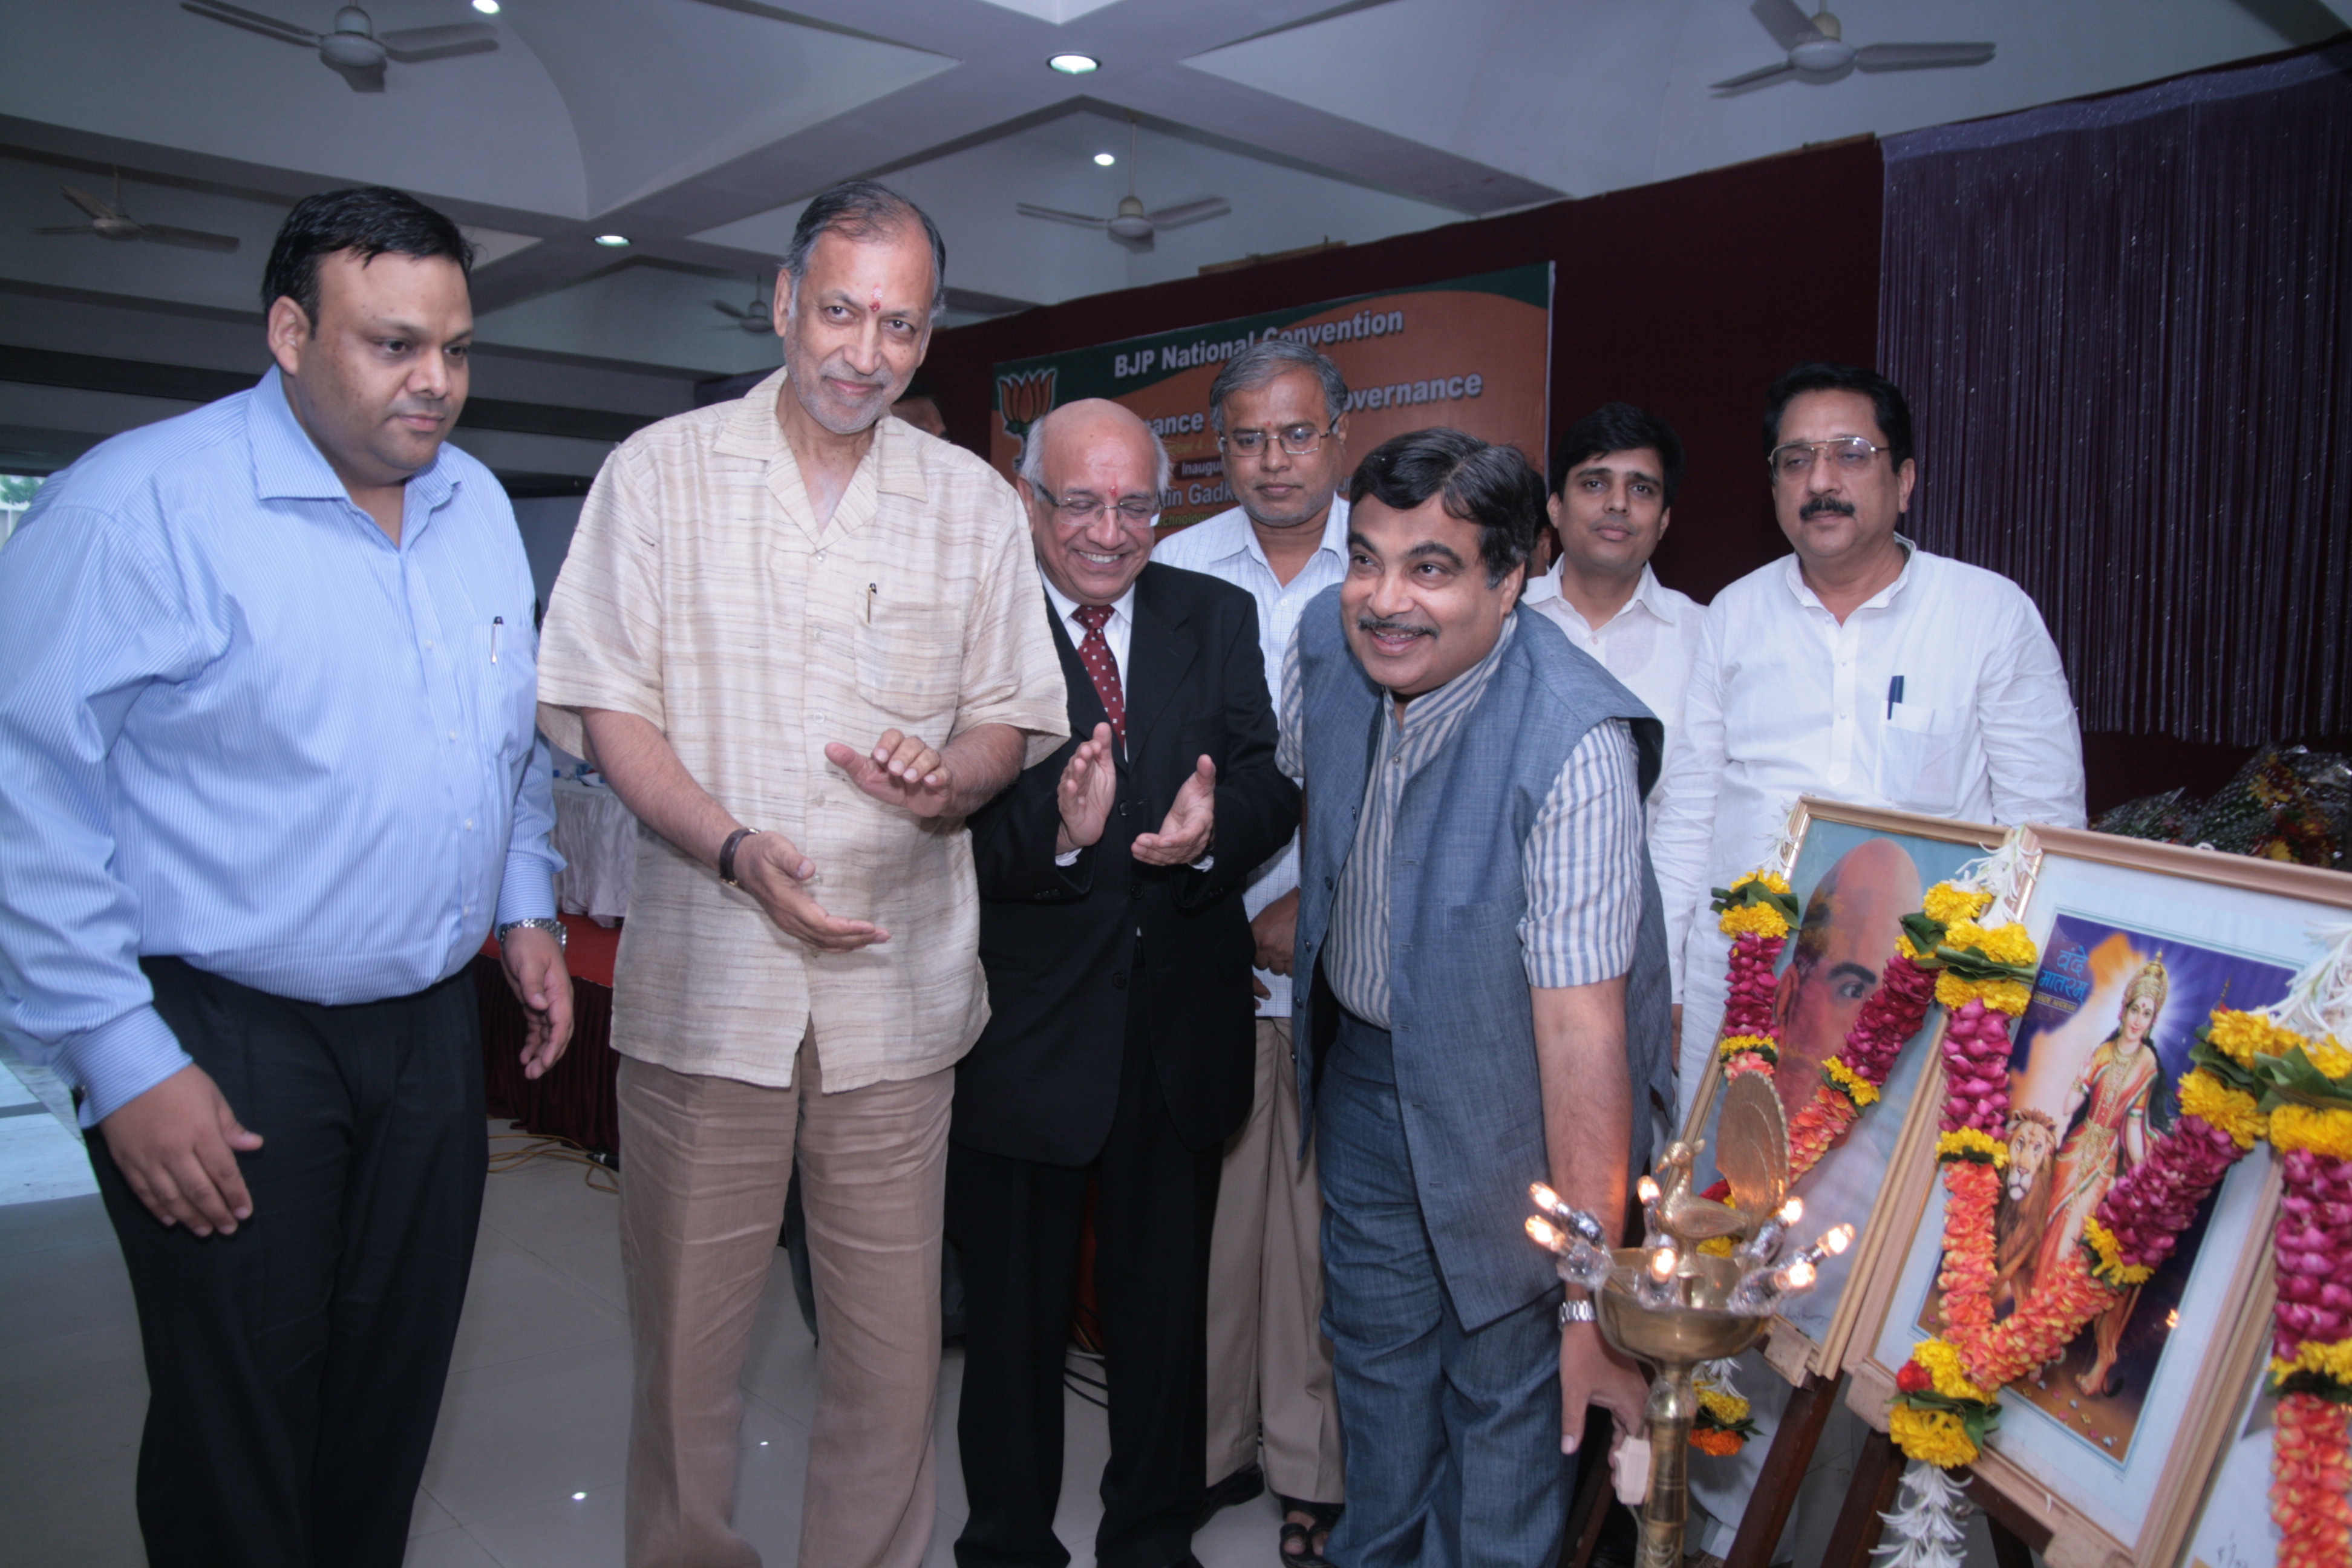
(548, 1146)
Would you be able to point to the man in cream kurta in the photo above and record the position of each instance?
(756, 591)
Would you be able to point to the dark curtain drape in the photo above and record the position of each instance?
(2125, 327)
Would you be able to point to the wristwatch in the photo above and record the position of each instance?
(1575, 1312)
(547, 923)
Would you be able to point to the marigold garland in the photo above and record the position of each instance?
(2252, 1076)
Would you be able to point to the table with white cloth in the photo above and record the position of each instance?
(597, 837)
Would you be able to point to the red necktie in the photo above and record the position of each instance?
(1095, 654)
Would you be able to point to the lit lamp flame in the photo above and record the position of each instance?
(1648, 1188)
(1839, 1238)
(1799, 1276)
(1544, 1235)
(1792, 1211)
(1663, 1263)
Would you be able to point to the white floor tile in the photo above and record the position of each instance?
(40, 1160)
(516, 1306)
(537, 1429)
(450, 1547)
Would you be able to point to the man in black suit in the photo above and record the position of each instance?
(1120, 1044)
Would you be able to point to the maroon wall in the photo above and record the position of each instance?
(1686, 297)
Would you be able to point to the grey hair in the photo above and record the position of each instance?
(1033, 455)
(1267, 358)
(861, 209)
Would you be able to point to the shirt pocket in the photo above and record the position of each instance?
(505, 691)
(1920, 752)
(909, 656)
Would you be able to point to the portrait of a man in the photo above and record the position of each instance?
(1851, 921)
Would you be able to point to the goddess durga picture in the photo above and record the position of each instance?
(2106, 1115)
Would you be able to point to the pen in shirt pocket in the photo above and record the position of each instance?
(496, 622)
(1893, 693)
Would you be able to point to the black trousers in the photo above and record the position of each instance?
(1016, 1225)
(295, 1368)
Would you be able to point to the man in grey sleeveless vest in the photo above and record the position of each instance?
(1486, 1005)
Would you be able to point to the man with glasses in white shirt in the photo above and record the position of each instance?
(1860, 668)
(1279, 411)
(1613, 495)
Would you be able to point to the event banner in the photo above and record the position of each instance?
(1474, 353)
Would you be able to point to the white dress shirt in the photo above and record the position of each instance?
(1118, 631)
(1226, 546)
(1648, 645)
(1783, 701)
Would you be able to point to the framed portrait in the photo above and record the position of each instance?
(1854, 872)
(2109, 1443)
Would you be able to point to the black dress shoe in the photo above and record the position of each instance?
(1244, 1484)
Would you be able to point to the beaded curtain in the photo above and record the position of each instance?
(2125, 329)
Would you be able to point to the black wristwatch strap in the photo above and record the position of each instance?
(726, 854)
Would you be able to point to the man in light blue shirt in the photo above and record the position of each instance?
(1278, 408)
(268, 733)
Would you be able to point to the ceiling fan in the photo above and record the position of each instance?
(1131, 226)
(757, 317)
(1816, 48)
(108, 220)
(354, 50)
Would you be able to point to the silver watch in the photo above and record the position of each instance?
(547, 923)
(1575, 1312)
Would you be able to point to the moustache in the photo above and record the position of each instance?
(1378, 627)
(839, 372)
(1820, 504)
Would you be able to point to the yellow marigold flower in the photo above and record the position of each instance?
(1946, 903)
(1965, 1140)
(1934, 1437)
(2112, 1267)
(1760, 920)
(2218, 1105)
(2242, 1036)
(2332, 1360)
(1772, 879)
(1728, 1408)
(1857, 1089)
(2328, 1056)
(1907, 948)
(1717, 1246)
(2328, 1133)
(2008, 997)
(1942, 1360)
(1716, 1443)
(1740, 1045)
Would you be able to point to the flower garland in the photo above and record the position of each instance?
(1724, 1423)
(2252, 1076)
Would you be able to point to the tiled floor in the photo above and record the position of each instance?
(527, 1465)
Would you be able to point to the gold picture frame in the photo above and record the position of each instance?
(1811, 1333)
(2111, 1446)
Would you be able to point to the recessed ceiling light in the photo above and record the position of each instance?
(486, 7)
(1075, 65)
(1105, 158)
(611, 239)
(579, 1497)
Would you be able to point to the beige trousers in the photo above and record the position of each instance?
(704, 1166)
(1269, 1364)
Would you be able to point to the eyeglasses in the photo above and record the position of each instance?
(1846, 455)
(1086, 508)
(1298, 440)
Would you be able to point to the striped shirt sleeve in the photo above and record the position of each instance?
(1583, 863)
(1289, 753)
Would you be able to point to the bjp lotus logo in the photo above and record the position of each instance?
(1025, 399)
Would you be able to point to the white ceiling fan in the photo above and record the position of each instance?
(353, 49)
(1816, 48)
(1131, 226)
(109, 220)
(757, 317)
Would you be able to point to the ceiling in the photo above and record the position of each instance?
(698, 129)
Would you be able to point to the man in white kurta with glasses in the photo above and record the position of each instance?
(1860, 668)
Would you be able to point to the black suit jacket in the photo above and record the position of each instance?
(1076, 954)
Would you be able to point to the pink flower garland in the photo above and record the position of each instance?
(2150, 1204)
(2314, 1243)
(1976, 1071)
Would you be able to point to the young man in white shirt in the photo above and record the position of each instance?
(1860, 668)
(1279, 411)
(1613, 495)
